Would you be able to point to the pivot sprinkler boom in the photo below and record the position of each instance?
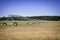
(14, 23)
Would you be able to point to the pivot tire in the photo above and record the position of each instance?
(4, 24)
(14, 24)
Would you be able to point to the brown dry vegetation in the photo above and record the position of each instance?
(40, 31)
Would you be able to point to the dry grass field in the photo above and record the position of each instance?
(49, 30)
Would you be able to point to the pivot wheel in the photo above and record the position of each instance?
(27, 23)
(14, 24)
(4, 24)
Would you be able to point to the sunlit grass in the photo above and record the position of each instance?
(48, 30)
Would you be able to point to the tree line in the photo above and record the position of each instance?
(49, 18)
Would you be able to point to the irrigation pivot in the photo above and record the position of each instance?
(14, 23)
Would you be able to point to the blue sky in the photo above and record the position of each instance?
(30, 7)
